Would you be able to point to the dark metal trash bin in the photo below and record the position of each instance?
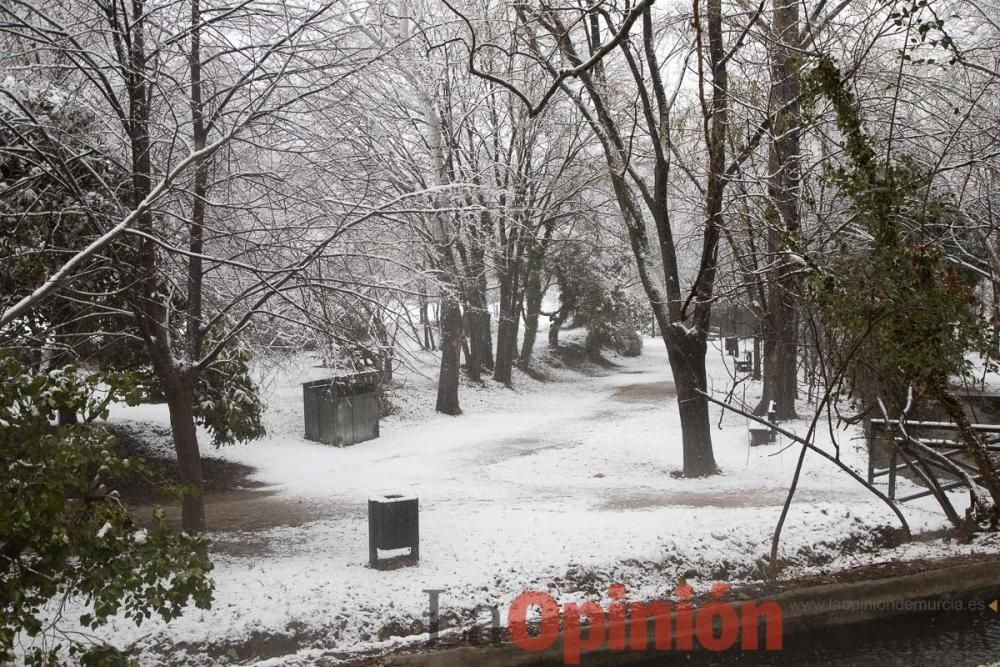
(342, 410)
(393, 525)
(761, 436)
(732, 346)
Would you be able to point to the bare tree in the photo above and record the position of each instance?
(574, 43)
(237, 91)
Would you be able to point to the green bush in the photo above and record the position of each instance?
(63, 535)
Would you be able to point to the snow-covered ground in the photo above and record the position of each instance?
(563, 486)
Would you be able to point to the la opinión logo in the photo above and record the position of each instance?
(716, 625)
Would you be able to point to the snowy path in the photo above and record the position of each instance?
(563, 485)
(608, 440)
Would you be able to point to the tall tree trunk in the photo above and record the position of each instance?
(387, 361)
(533, 293)
(476, 319)
(781, 322)
(386, 346)
(471, 343)
(567, 304)
(684, 335)
(558, 320)
(151, 310)
(486, 334)
(179, 392)
(478, 316)
(425, 319)
(451, 354)
(483, 330)
(688, 345)
(532, 310)
(199, 195)
(757, 364)
(450, 312)
(507, 325)
(686, 352)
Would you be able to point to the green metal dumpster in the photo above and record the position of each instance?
(341, 410)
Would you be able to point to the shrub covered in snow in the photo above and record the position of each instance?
(64, 535)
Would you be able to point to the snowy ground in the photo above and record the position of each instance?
(563, 486)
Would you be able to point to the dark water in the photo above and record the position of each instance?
(952, 639)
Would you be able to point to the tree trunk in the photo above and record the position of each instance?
(558, 320)
(533, 296)
(486, 338)
(507, 325)
(688, 345)
(980, 454)
(509, 262)
(479, 316)
(387, 367)
(151, 311)
(686, 352)
(199, 195)
(592, 345)
(757, 371)
(567, 304)
(471, 343)
(476, 320)
(506, 347)
(780, 356)
(386, 347)
(532, 310)
(781, 322)
(451, 354)
(425, 320)
(179, 393)
(483, 331)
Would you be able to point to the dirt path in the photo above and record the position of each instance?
(249, 510)
(240, 521)
(237, 507)
(645, 392)
(756, 498)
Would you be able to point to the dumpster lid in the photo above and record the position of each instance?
(392, 498)
(346, 380)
